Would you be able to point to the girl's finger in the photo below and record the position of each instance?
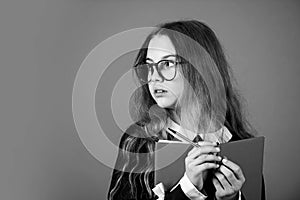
(230, 176)
(223, 181)
(206, 166)
(235, 168)
(203, 150)
(206, 158)
(192, 151)
(202, 143)
(207, 143)
(217, 185)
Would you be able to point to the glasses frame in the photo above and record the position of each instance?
(151, 65)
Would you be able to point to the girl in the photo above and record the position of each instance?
(185, 80)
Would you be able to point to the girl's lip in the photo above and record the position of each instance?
(157, 87)
(160, 89)
(160, 94)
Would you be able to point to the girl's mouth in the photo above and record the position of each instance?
(160, 91)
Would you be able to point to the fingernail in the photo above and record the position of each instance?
(219, 158)
(224, 160)
(217, 149)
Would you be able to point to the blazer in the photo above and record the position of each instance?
(123, 191)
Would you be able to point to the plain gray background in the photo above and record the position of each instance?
(43, 42)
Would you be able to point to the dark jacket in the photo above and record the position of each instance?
(123, 191)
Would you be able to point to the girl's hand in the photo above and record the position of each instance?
(199, 160)
(228, 180)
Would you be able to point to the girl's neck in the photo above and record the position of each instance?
(174, 116)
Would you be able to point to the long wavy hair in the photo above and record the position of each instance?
(194, 107)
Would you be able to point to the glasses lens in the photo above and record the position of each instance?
(142, 71)
(167, 69)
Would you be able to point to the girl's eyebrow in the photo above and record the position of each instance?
(164, 57)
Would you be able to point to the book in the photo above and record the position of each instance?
(247, 153)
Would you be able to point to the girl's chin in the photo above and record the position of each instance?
(169, 105)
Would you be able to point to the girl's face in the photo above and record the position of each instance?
(164, 92)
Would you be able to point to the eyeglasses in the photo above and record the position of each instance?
(166, 69)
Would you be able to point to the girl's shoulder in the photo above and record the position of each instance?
(134, 131)
(135, 138)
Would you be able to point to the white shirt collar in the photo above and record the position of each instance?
(223, 135)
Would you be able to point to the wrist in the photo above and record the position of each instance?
(234, 196)
(197, 182)
(190, 190)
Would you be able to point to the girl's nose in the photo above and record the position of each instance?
(155, 75)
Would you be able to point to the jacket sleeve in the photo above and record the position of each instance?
(263, 192)
(120, 186)
(124, 180)
(176, 194)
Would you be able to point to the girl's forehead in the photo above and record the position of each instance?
(159, 47)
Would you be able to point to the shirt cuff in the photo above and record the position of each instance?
(190, 190)
(240, 195)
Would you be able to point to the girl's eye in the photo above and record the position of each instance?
(167, 63)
